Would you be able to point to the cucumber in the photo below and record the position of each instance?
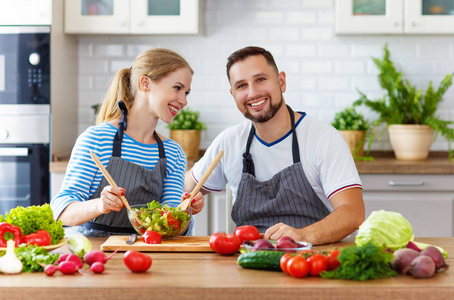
(261, 260)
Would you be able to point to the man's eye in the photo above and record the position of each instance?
(240, 86)
(261, 79)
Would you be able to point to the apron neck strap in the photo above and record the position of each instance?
(295, 146)
(248, 164)
(122, 125)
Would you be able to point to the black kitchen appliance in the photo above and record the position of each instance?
(24, 116)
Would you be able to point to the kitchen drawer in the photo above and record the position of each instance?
(399, 182)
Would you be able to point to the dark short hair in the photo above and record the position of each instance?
(246, 52)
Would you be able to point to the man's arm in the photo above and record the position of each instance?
(348, 214)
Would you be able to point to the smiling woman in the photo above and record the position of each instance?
(145, 165)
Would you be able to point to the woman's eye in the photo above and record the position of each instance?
(186, 93)
(177, 87)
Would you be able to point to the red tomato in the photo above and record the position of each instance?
(224, 244)
(298, 266)
(137, 261)
(307, 253)
(247, 233)
(333, 262)
(318, 263)
(284, 260)
(151, 237)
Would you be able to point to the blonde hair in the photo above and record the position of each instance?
(155, 63)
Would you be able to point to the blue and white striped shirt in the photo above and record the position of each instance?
(83, 177)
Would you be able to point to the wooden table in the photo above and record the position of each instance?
(212, 276)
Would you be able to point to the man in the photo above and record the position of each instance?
(289, 173)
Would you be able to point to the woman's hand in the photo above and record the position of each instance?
(197, 203)
(110, 199)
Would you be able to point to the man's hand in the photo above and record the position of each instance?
(281, 229)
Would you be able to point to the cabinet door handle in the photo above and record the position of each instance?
(405, 183)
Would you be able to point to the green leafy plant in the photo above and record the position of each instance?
(187, 119)
(350, 119)
(403, 103)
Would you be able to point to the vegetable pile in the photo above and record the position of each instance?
(33, 218)
(167, 221)
(420, 264)
(363, 263)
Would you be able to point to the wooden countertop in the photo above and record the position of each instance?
(384, 163)
(212, 276)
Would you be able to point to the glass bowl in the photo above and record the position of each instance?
(248, 246)
(167, 222)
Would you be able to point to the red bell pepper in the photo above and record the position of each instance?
(12, 232)
(172, 221)
(39, 238)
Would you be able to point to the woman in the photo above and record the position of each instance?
(145, 165)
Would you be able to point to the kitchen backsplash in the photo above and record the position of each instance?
(323, 69)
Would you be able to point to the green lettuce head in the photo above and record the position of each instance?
(386, 228)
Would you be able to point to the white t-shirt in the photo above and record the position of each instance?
(325, 156)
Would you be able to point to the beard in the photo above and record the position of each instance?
(265, 115)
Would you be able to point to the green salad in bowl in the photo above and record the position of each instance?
(165, 220)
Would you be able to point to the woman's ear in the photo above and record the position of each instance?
(144, 84)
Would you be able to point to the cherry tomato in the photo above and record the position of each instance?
(224, 244)
(333, 262)
(137, 261)
(284, 260)
(151, 237)
(318, 263)
(247, 233)
(298, 266)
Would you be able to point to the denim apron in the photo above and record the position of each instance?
(287, 197)
(141, 184)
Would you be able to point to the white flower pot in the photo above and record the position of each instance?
(411, 142)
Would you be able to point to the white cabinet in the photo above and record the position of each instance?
(426, 201)
(25, 12)
(394, 17)
(132, 16)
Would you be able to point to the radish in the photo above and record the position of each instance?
(61, 258)
(50, 270)
(76, 259)
(97, 256)
(68, 267)
(97, 267)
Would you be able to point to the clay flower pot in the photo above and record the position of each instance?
(411, 142)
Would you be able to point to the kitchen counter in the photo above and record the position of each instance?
(212, 276)
(384, 163)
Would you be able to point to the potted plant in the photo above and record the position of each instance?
(186, 131)
(354, 128)
(405, 109)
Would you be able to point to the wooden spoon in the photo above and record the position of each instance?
(112, 182)
(186, 203)
(108, 177)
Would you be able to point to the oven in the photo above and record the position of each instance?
(25, 116)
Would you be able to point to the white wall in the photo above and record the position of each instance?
(323, 69)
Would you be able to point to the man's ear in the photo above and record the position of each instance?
(282, 81)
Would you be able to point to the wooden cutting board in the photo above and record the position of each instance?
(176, 244)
